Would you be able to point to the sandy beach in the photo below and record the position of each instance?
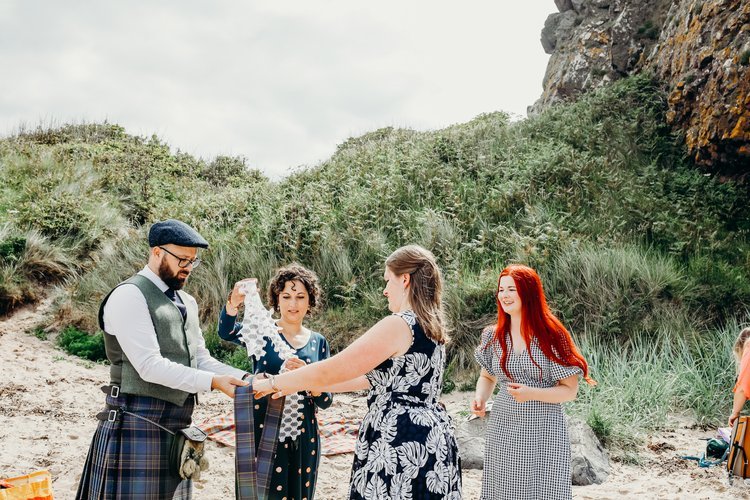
(48, 400)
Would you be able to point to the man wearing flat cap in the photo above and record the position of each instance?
(159, 363)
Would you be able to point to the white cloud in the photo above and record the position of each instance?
(281, 83)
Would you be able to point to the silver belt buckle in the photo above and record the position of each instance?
(112, 416)
(114, 391)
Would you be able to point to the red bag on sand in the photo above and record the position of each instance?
(34, 486)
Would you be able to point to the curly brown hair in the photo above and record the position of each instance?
(295, 272)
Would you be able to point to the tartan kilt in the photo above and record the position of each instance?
(129, 458)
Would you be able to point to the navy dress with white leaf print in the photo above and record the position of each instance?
(406, 448)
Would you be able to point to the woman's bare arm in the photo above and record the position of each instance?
(389, 337)
(353, 385)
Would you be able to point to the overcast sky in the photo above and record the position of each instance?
(278, 82)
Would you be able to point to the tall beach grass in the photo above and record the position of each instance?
(645, 257)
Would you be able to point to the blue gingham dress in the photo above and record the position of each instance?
(527, 449)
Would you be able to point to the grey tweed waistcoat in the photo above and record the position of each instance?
(177, 340)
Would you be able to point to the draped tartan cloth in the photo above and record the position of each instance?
(253, 476)
(129, 458)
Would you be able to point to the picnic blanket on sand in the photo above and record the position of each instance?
(336, 436)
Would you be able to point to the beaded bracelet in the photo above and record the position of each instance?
(273, 383)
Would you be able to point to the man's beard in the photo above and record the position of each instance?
(172, 280)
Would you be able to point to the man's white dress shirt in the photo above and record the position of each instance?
(126, 317)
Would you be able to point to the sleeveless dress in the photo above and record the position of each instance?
(406, 448)
(527, 448)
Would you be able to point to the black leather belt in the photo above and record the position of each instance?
(114, 392)
(111, 414)
(111, 390)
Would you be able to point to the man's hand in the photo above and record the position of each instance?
(227, 384)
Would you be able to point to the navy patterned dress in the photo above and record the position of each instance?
(406, 448)
(295, 467)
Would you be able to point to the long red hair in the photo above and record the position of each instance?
(537, 322)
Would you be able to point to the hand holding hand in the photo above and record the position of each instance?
(479, 407)
(262, 386)
(521, 393)
(294, 363)
(227, 384)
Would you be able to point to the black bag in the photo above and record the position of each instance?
(716, 448)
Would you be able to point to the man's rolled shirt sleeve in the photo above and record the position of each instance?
(126, 316)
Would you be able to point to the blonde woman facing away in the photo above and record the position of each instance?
(742, 386)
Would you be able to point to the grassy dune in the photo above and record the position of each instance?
(644, 256)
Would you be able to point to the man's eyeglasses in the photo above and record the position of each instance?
(183, 263)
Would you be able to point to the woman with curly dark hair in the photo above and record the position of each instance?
(292, 293)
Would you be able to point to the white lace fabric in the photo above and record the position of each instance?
(257, 326)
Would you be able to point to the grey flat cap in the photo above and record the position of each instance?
(175, 232)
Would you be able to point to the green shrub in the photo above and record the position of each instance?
(601, 425)
(40, 333)
(14, 289)
(470, 307)
(719, 290)
(11, 249)
(635, 244)
(55, 216)
(449, 383)
(81, 344)
(28, 270)
(614, 292)
(239, 359)
(226, 352)
(225, 170)
(45, 261)
(89, 133)
(648, 30)
(644, 380)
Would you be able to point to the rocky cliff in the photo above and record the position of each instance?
(698, 49)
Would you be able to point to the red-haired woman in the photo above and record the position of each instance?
(533, 358)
